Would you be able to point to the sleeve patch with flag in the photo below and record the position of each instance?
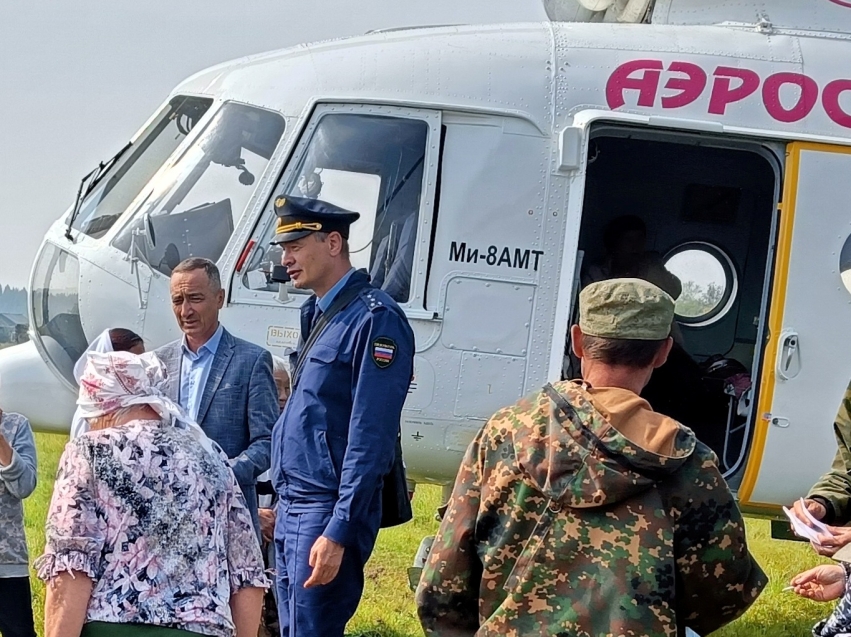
(383, 351)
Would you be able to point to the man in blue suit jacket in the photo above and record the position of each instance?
(224, 383)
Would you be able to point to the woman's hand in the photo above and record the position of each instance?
(822, 583)
(267, 523)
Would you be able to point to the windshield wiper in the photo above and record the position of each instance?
(89, 183)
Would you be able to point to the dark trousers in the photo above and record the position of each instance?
(16, 607)
(321, 611)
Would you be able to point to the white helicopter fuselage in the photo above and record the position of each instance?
(485, 162)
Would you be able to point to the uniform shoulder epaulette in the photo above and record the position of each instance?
(374, 299)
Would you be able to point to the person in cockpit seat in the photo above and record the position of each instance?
(394, 259)
(580, 510)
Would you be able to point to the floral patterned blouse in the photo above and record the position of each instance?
(158, 523)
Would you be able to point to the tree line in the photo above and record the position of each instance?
(13, 300)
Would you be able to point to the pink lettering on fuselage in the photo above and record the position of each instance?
(686, 82)
(623, 79)
(722, 93)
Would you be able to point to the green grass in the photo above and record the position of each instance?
(387, 609)
(49, 447)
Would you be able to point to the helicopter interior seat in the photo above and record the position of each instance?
(202, 231)
(384, 239)
(391, 266)
(396, 236)
(709, 213)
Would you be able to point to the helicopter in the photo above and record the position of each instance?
(486, 163)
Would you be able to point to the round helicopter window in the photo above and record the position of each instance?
(708, 282)
(845, 264)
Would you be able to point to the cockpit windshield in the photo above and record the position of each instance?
(56, 309)
(193, 206)
(117, 189)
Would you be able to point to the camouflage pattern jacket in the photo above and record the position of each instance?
(834, 487)
(17, 481)
(559, 525)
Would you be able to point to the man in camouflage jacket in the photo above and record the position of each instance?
(580, 511)
(830, 498)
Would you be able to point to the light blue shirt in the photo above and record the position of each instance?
(325, 302)
(194, 371)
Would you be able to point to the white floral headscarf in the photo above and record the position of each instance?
(115, 380)
(103, 343)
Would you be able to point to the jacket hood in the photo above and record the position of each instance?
(574, 454)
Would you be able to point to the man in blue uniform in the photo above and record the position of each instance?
(336, 439)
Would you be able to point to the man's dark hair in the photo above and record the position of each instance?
(322, 237)
(198, 263)
(620, 351)
(123, 340)
(618, 227)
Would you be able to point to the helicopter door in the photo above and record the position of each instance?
(806, 361)
(380, 161)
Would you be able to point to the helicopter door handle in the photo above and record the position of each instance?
(789, 360)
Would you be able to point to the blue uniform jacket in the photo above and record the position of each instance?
(335, 440)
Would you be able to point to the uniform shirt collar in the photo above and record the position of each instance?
(207, 349)
(325, 302)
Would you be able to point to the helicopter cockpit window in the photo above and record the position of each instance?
(369, 164)
(194, 205)
(56, 309)
(116, 189)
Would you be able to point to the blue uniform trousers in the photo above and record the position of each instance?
(321, 611)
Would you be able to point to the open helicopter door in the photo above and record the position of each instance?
(806, 361)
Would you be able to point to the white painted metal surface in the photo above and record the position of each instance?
(813, 347)
(509, 109)
(30, 387)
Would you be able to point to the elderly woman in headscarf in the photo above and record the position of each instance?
(148, 533)
(117, 339)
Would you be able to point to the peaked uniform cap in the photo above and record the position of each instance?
(630, 309)
(298, 217)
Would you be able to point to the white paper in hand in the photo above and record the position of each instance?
(810, 533)
(818, 525)
(801, 529)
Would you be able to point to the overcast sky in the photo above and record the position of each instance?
(78, 78)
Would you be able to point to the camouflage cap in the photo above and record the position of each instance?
(626, 308)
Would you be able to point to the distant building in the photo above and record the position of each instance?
(13, 328)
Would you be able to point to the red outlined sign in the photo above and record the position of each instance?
(842, 3)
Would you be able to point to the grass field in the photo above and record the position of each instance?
(387, 609)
